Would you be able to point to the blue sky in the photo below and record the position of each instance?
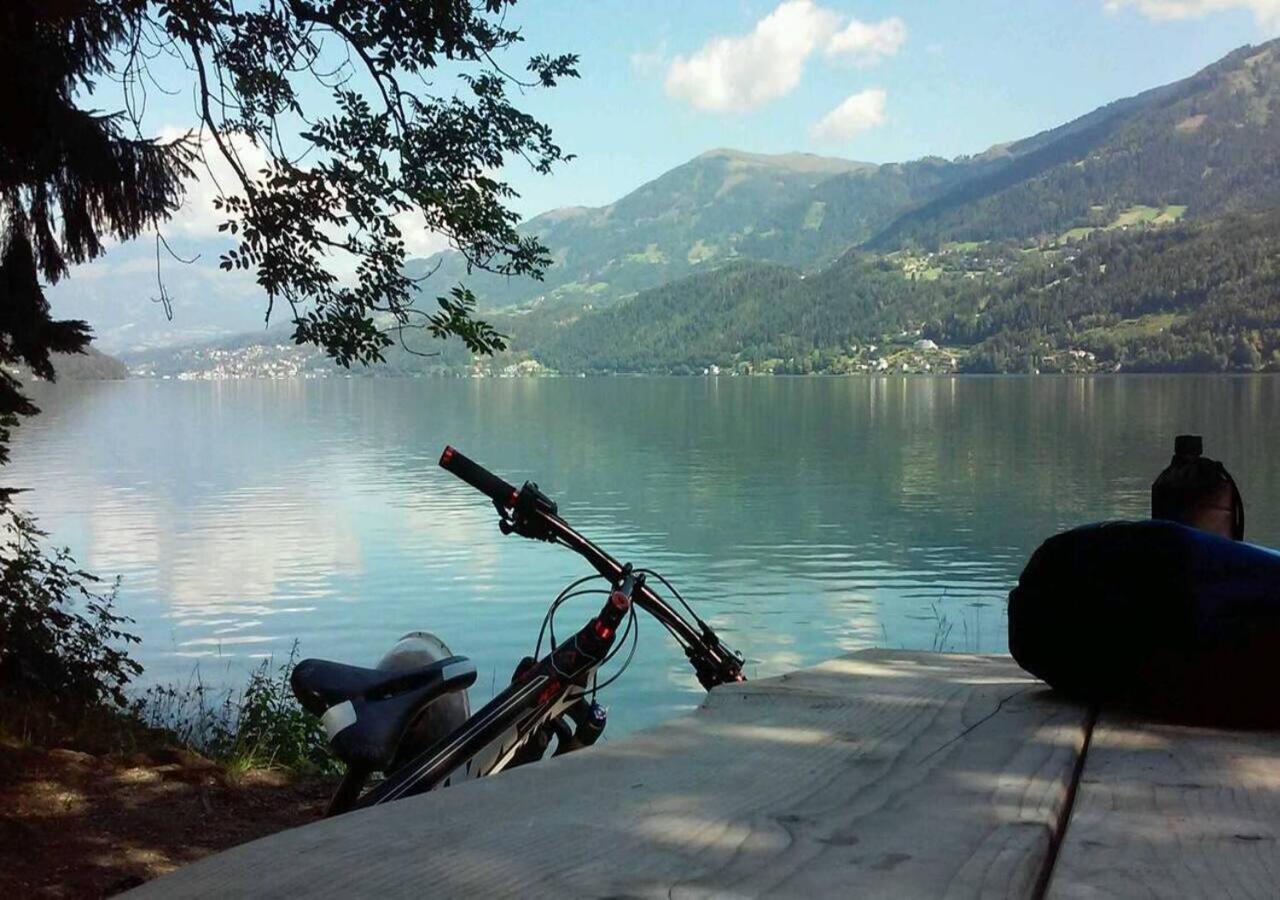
(954, 78)
(968, 75)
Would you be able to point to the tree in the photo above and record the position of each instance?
(331, 184)
(68, 176)
(334, 177)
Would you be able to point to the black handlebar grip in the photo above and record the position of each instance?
(478, 477)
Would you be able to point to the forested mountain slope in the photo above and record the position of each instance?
(1190, 297)
(693, 215)
(1200, 147)
(1140, 236)
(1207, 145)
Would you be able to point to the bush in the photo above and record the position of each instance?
(271, 728)
(65, 667)
(262, 725)
(61, 641)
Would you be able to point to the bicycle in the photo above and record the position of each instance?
(367, 713)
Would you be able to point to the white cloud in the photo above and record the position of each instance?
(858, 113)
(419, 240)
(197, 217)
(746, 71)
(1267, 12)
(868, 43)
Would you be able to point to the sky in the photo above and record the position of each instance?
(874, 80)
(664, 81)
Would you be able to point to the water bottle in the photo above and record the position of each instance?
(1198, 492)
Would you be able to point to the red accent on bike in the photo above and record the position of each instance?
(552, 688)
(603, 631)
(447, 456)
(515, 495)
(620, 600)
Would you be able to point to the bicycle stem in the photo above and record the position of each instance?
(530, 513)
(713, 663)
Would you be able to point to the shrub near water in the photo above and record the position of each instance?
(261, 725)
(62, 644)
(65, 670)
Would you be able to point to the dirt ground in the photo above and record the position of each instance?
(77, 825)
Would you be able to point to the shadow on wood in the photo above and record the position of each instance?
(877, 774)
(1169, 811)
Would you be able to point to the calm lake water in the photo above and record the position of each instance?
(803, 517)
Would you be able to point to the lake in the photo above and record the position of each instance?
(803, 517)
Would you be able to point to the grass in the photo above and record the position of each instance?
(260, 726)
(1134, 216)
(651, 256)
(577, 288)
(961, 631)
(1141, 327)
(814, 215)
(1076, 234)
(1170, 214)
(701, 251)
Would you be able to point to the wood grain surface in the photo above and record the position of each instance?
(1168, 811)
(880, 774)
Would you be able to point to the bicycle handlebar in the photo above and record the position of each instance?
(480, 478)
(529, 513)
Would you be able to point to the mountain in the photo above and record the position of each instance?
(118, 295)
(1121, 239)
(852, 207)
(91, 365)
(1138, 236)
(692, 216)
(1201, 296)
(1207, 145)
(1201, 147)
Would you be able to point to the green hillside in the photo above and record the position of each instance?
(697, 213)
(1207, 145)
(1196, 297)
(850, 208)
(1193, 297)
(1210, 144)
(1139, 237)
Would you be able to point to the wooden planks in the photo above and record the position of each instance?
(1168, 811)
(878, 774)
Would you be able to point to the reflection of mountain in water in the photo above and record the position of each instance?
(804, 516)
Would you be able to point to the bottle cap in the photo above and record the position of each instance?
(1188, 445)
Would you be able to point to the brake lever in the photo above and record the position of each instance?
(710, 672)
(526, 518)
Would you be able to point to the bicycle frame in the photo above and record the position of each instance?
(488, 742)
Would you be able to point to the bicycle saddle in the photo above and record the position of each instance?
(365, 712)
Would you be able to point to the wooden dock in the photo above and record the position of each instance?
(880, 774)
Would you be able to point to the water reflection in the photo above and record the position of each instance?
(805, 516)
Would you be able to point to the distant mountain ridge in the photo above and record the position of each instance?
(1210, 142)
(741, 260)
(692, 215)
(1062, 246)
(91, 365)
